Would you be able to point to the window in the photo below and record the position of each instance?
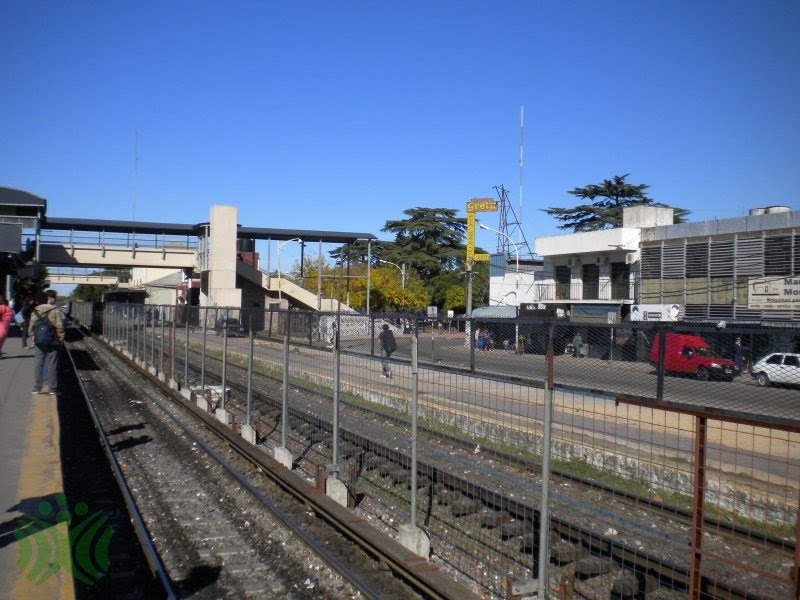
(775, 359)
(791, 361)
(620, 280)
(591, 282)
(750, 257)
(697, 260)
(721, 258)
(562, 282)
(651, 262)
(778, 255)
(674, 261)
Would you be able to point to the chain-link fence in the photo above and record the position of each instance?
(672, 451)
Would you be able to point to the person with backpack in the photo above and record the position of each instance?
(46, 337)
(388, 345)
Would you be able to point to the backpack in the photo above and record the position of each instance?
(391, 343)
(44, 332)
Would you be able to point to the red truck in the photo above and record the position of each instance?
(691, 355)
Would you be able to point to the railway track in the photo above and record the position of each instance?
(590, 557)
(207, 504)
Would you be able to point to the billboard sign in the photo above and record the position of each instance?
(773, 293)
(655, 312)
(10, 238)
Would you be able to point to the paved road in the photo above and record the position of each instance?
(741, 396)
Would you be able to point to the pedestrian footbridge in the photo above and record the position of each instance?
(220, 253)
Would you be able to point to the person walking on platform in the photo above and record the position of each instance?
(46, 336)
(388, 345)
(25, 314)
(6, 316)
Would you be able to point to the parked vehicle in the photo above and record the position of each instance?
(777, 367)
(691, 355)
(231, 326)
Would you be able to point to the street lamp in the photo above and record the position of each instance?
(402, 270)
(516, 250)
(281, 245)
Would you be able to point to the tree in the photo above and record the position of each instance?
(89, 293)
(388, 293)
(615, 195)
(30, 280)
(358, 251)
(430, 241)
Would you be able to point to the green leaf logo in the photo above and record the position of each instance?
(43, 550)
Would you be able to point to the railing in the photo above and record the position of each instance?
(116, 239)
(89, 273)
(589, 290)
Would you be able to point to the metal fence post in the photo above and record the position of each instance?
(337, 365)
(128, 330)
(698, 510)
(285, 392)
(662, 348)
(544, 510)
(172, 344)
(414, 406)
(153, 338)
(161, 353)
(203, 351)
(186, 350)
(371, 335)
(248, 418)
(224, 359)
(471, 338)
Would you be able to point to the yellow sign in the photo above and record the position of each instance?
(481, 205)
(473, 206)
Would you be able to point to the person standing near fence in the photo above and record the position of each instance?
(738, 355)
(46, 335)
(388, 345)
(577, 345)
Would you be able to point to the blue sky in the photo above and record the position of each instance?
(340, 115)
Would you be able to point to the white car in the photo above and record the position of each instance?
(777, 367)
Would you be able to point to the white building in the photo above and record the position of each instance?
(596, 273)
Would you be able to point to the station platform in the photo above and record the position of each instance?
(35, 559)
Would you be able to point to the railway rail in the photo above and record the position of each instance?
(207, 542)
(587, 561)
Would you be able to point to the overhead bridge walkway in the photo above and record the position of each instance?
(74, 261)
(209, 249)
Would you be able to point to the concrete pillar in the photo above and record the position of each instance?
(249, 433)
(416, 540)
(336, 490)
(284, 456)
(222, 290)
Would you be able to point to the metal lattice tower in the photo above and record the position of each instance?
(511, 227)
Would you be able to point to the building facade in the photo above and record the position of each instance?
(737, 269)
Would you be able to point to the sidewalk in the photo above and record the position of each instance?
(34, 547)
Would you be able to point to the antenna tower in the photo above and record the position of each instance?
(135, 170)
(510, 227)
